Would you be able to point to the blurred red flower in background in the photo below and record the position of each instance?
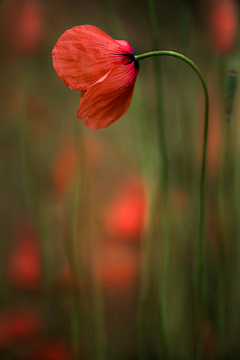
(23, 24)
(126, 217)
(210, 345)
(69, 154)
(19, 325)
(41, 118)
(214, 135)
(179, 203)
(93, 150)
(223, 23)
(54, 350)
(65, 165)
(87, 59)
(24, 266)
(10, 104)
(117, 266)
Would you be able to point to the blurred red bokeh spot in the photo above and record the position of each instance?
(214, 135)
(55, 350)
(92, 149)
(65, 164)
(19, 325)
(24, 265)
(179, 202)
(41, 118)
(223, 23)
(210, 346)
(117, 266)
(23, 25)
(126, 217)
(84, 152)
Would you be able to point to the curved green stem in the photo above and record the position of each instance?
(203, 168)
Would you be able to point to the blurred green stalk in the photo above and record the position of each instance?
(159, 88)
(74, 261)
(98, 301)
(35, 207)
(203, 168)
(163, 176)
(230, 81)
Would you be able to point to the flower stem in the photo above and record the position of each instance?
(203, 168)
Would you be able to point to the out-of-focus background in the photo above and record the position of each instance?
(92, 265)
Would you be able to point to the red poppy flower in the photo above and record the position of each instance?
(87, 59)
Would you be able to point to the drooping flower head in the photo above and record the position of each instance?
(88, 59)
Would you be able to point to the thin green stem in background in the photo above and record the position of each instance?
(223, 205)
(160, 104)
(22, 145)
(203, 168)
(33, 203)
(97, 291)
(74, 262)
(146, 249)
(226, 195)
(163, 177)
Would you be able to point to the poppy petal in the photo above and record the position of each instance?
(84, 54)
(109, 98)
(128, 49)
